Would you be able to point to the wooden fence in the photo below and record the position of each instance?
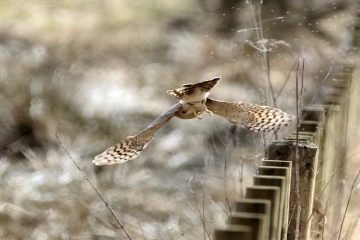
(269, 209)
(269, 204)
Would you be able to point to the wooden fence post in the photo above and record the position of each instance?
(285, 150)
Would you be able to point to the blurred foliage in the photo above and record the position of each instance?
(97, 71)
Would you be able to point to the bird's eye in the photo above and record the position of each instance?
(184, 112)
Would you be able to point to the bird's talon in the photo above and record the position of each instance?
(209, 112)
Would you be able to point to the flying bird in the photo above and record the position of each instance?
(193, 96)
(191, 105)
(193, 102)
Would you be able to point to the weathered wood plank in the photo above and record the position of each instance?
(286, 150)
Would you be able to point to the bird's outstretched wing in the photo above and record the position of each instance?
(132, 146)
(255, 117)
(194, 88)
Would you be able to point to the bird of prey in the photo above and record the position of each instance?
(193, 101)
(193, 96)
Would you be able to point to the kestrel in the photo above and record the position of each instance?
(193, 101)
(193, 96)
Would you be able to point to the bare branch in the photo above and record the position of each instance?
(297, 180)
(327, 75)
(142, 231)
(93, 186)
(347, 205)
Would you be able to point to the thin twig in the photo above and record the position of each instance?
(321, 126)
(241, 174)
(255, 20)
(4, 200)
(246, 29)
(221, 140)
(328, 182)
(21, 210)
(297, 163)
(270, 19)
(302, 74)
(203, 217)
(186, 198)
(233, 135)
(311, 103)
(302, 81)
(347, 205)
(269, 79)
(225, 180)
(260, 21)
(142, 231)
(225, 166)
(91, 210)
(323, 228)
(226, 194)
(351, 231)
(262, 50)
(93, 186)
(347, 232)
(201, 214)
(216, 149)
(263, 138)
(270, 85)
(287, 79)
(292, 213)
(228, 145)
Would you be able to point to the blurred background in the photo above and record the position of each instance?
(94, 72)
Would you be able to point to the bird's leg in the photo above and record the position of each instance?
(205, 108)
(208, 111)
(195, 110)
(197, 114)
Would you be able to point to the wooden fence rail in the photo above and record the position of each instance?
(268, 207)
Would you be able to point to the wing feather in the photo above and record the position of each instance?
(132, 146)
(253, 116)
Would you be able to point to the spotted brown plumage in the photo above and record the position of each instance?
(255, 117)
(193, 101)
(132, 146)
